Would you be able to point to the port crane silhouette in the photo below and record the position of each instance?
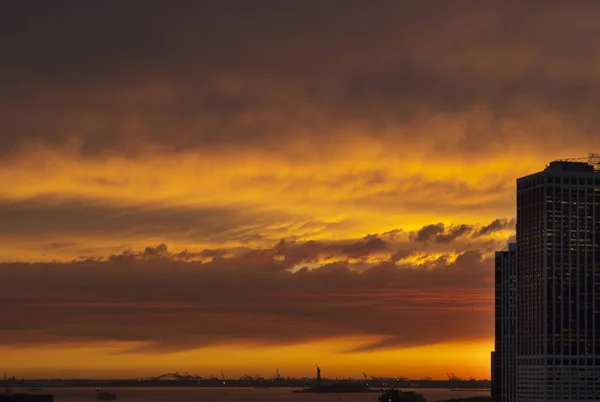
(176, 376)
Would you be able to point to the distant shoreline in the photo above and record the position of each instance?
(292, 383)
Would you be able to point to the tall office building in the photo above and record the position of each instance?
(558, 283)
(504, 355)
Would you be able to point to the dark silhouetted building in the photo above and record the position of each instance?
(495, 383)
(558, 283)
(504, 355)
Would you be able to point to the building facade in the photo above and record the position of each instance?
(504, 357)
(558, 284)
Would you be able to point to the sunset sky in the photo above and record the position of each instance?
(241, 186)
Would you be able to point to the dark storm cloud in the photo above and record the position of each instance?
(197, 74)
(496, 225)
(428, 232)
(292, 253)
(454, 232)
(369, 245)
(439, 233)
(155, 297)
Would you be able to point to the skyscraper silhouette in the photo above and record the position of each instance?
(557, 334)
(504, 357)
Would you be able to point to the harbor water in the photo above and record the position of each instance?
(168, 394)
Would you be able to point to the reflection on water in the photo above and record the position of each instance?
(235, 395)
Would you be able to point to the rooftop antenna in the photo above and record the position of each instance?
(593, 159)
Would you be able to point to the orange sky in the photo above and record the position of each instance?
(274, 186)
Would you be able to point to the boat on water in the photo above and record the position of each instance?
(396, 395)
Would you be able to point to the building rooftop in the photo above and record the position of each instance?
(589, 164)
(565, 166)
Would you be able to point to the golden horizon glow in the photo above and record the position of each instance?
(111, 361)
